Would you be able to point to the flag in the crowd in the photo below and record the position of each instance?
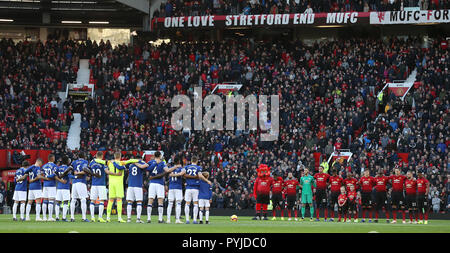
(225, 88)
(400, 89)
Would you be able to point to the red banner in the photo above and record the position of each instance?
(400, 89)
(303, 19)
(279, 20)
(8, 175)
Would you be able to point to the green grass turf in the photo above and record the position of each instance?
(219, 224)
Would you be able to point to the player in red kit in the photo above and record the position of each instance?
(380, 195)
(291, 194)
(423, 187)
(321, 192)
(277, 197)
(351, 200)
(397, 198)
(335, 189)
(342, 204)
(349, 181)
(366, 182)
(261, 191)
(411, 196)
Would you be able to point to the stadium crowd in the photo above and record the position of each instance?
(31, 114)
(234, 7)
(335, 106)
(328, 100)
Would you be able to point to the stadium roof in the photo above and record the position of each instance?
(109, 13)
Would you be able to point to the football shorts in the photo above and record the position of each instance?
(277, 200)
(34, 194)
(62, 194)
(98, 192)
(203, 203)
(20, 196)
(156, 191)
(191, 195)
(49, 192)
(175, 195)
(135, 194)
(79, 191)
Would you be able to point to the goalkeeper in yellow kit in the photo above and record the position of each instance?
(115, 189)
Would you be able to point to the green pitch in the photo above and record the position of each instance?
(219, 224)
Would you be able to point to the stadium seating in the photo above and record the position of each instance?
(31, 113)
(328, 91)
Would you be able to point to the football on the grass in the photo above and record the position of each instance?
(234, 217)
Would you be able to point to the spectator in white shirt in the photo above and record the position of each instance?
(436, 202)
(121, 78)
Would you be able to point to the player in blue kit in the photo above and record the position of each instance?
(49, 192)
(35, 189)
(79, 188)
(63, 187)
(176, 191)
(193, 177)
(134, 190)
(98, 187)
(20, 191)
(158, 170)
(204, 198)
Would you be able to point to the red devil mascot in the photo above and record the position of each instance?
(261, 191)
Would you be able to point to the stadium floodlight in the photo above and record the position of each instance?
(70, 22)
(6, 20)
(99, 22)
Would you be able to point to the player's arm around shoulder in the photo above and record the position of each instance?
(130, 161)
(38, 177)
(179, 174)
(201, 177)
(168, 170)
(100, 161)
(60, 180)
(76, 173)
(186, 175)
(69, 169)
(110, 173)
(20, 177)
(151, 165)
(141, 164)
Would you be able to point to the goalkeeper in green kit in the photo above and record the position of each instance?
(306, 183)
